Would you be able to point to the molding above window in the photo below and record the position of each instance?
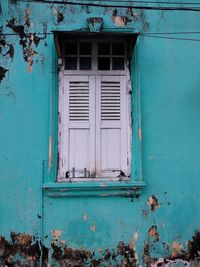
(93, 189)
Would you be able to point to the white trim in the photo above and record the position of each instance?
(94, 77)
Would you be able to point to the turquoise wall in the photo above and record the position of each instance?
(169, 83)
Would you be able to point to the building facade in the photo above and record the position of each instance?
(99, 112)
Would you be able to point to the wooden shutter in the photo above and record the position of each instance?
(78, 150)
(111, 121)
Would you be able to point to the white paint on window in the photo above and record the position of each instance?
(94, 119)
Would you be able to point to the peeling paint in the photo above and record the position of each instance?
(135, 236)
(95, 24)
(93, 228)
(187, 257)
(6, 49)
(56, 234)
(22, 247)
(119, 21)
(153, 203)
(27, 40)
(177, 249)
(132, 13)
(59, 15)
(154, 233)
(85, 217)
(140, 134)
(4, 45)
(123, 256)
(27, 249)
(19, 29)
(27, 17)
(2, 73)
(28, 54)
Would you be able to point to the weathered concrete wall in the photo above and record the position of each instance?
(162, 222)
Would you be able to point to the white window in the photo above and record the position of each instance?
(94, 111)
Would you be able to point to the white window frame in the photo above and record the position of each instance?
(63, 111)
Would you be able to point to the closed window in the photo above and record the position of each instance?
(94, 111)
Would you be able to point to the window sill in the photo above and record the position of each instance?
(93, 189)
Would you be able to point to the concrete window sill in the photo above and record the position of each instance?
(90, 189)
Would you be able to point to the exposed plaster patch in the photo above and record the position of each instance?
(128, 251)
(123, 256)
(153, 203)
(140, 134)
(27, 40)
(177, 249)
(22, 248)
(85, 217)
(154, 233)
(59, 15)
(56, 234)
(27, 17)
(135, 236)
(119, 21)
(179, 255)
(25, 250)
(93, 228)
(28, 54)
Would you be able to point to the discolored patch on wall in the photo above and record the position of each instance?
(2, 73)
(27, 40)
(153, 203)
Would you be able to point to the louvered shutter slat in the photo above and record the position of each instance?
(78, 101)
(110, 100)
